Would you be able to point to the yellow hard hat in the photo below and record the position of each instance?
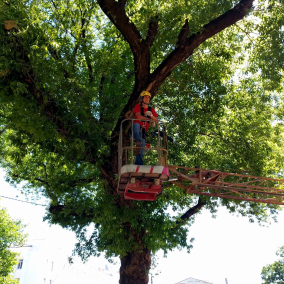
(145, 93)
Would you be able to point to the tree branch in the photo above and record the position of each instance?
(183, 34)
(195, 209)
(57, 209)
(3, 130)
(53, 4)
(140, 48)
(56, 56)
(87, 54)
(253, 43)
(36, 178)
(152, 31)
(186, 46)
(115, 11)
(7, 4)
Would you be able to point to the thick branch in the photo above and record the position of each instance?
(186, 47)
(140, 48)
(116, 13)
(195, 209)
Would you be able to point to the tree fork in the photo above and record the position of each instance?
(184, 49)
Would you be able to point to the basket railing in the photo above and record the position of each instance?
(127, 147)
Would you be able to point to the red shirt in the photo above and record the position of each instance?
(143, 124)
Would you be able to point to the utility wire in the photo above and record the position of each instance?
(23, 201)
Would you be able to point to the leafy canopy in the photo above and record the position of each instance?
(67, 74)
(274, 273)
(11, 234)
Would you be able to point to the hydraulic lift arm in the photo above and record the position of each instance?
(228, 185)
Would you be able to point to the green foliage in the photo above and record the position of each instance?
(10, 235)
(274, 273)
(66, 75)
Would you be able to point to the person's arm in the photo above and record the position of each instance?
(154, 118)
(154, 115)
(139, 116)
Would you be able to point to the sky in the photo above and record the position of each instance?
(225, 247)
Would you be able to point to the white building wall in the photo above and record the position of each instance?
(44, 263)
(23, 255)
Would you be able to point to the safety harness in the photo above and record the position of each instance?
(142, 113)
(143, 126)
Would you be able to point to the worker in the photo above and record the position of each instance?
(146, 115)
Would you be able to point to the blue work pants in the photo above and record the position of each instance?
(137, 136)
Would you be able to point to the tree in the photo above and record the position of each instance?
(274, 273)
(11, 234)
(72, 69)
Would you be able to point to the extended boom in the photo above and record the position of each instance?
(228, 185)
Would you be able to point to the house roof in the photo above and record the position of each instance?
(192, 281)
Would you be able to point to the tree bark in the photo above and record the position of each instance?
(135, 267)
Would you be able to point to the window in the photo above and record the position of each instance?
(20, 264)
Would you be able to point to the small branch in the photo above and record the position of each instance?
(7, 4)
(53, 52)
(54, 4)
(3, 130)
(183, 34)
(74, 55)
(245, 33)
(110, 178)
(37, 179)
(152, 31)
(41, 180)
(56, 56)
(87, 56)
(195, 209)
(45, 171)
(167, 113)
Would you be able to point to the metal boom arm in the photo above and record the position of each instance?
(228, 185)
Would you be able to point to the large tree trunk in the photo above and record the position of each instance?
(135, 267)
